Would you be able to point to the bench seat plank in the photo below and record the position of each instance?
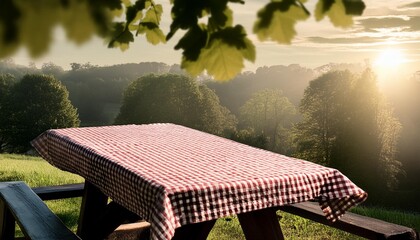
(33, 216)
(363, 226)
(60, 191)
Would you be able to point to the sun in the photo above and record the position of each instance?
(389, 58)
(389, 65)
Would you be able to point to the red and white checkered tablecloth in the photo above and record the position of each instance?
(172, 175)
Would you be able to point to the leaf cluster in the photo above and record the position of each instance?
(142, 17)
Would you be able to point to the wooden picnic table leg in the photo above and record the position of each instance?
(261, 224)
(7, 222)
(97, 218)
(93, 205)
(113, 216)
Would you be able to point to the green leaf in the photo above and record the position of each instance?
(123, 46)
(133, 27)
(110, 4)
(338, 16)
(219, 15)
(354, 7)
(152, 16)
(130, 14)
(140, 4)
(339, 11)
(148, 3)
(9, 17)
(193, 67)
(249, 51)
(237, 1)
(159, 9)
(127, 3)
(77, 22)
(7, 49)
(221, 19)
(185, 14)
(192, 42)
(122, 37)
(221, 60)
(281, 25)
(234, 36)
(265, 14)
(222, 57)
(153, 33)
(229, 14)
(322, 7)
(36, 26)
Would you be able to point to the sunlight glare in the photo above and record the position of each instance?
(390, 58)
(389, 67)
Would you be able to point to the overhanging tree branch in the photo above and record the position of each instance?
(30, 24)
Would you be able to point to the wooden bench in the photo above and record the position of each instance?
(366, 227)
(353, 223)
(19, 203)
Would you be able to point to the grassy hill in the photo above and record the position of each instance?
(37, 172)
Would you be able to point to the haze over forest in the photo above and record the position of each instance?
(97, 94)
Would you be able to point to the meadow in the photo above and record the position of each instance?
(37, 172)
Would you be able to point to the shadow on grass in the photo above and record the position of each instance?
(10, 176)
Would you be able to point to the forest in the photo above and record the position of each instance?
(335, 115)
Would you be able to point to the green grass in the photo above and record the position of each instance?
(37, 172)
(408, 219)
(33, 170)
(293, 228)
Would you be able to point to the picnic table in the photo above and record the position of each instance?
(178, 178)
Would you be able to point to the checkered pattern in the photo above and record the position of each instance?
(172, 175)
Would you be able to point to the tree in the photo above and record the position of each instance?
(215, 117)
(366, 147)
(75, 66)
(322, 106)
(249, 137)
(79, 66)
(174, 99)
(234, 93)
(91, 104)
(101, 106)
(348, 125)
(52, 69)
(211, 40)
(6, 83)
(269, 113)
(35, 104)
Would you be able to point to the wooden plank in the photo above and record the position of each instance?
(261, 224)
(60, 191)
(131, 231)
(367, 227)
(33, 216)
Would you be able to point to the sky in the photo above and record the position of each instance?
(387, 36)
